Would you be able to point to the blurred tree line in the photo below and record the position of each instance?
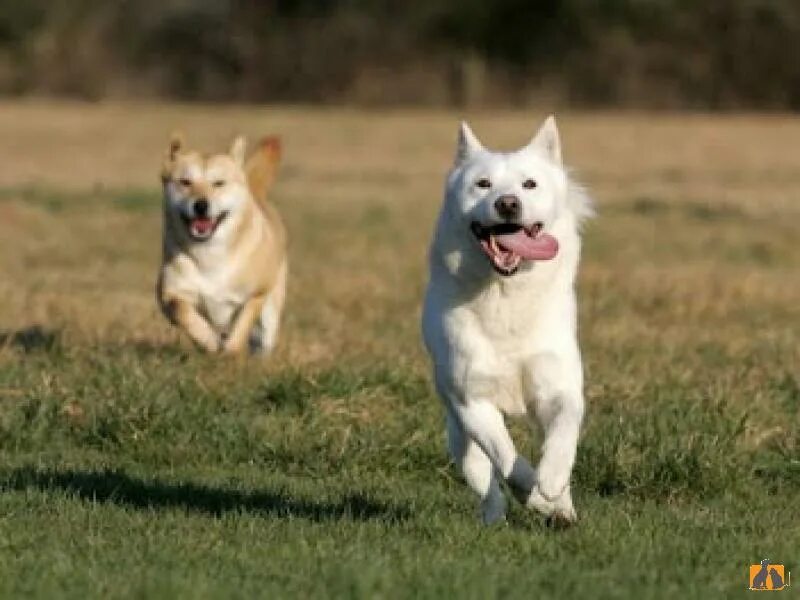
(709, 54)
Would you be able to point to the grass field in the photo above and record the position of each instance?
(131, 466)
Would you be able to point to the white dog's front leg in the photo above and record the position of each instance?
(477, 470)
(558, 400)
(483, 422)
(558, 451)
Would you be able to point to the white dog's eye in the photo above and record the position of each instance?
(529, 184)
(218, 183)
(484, 183)
(185, 181)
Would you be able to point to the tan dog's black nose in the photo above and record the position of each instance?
(201, 207)
(508, 207)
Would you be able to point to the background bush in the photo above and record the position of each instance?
(715, 54)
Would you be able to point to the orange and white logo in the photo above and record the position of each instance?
(769, 577)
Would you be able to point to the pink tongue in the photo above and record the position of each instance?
(202, 225)
(542, 247)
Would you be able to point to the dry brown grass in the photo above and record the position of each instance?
(695, 242)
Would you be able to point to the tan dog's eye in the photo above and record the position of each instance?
(483, 183)
(218, 183)
(184, 181)
(529, 184)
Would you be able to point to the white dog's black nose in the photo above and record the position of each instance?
(508, 207)
(201, 207)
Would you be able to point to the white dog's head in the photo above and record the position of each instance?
(507, 202)
(202, 191)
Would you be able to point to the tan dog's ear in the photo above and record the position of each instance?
(238, 149)
(262, 167)
(176, 142)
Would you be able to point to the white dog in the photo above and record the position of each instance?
(500, 318)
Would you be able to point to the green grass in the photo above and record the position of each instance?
(142, 472)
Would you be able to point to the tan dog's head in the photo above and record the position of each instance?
(201, 191)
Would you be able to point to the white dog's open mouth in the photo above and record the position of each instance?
(508, 244)
(202, 228)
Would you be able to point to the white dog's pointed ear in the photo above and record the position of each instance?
(468, 144)
(547, 140)
(238, 149)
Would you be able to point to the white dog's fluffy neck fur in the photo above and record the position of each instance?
(507, 345)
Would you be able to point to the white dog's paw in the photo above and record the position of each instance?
(560, 513)
(539, 503)
(493, 509)
(552, 481)
(564, 513)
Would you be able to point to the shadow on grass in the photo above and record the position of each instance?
(117, 487)
(29, 339)
(35, 338)
(149, 349)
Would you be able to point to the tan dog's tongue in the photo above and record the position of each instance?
(202, 225)
(542, 247)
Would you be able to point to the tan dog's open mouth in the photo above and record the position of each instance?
(202, 228)
(508, 244)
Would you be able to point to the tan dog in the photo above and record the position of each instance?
(223, 275)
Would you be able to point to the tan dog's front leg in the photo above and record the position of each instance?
(240, 332)
(185, 315)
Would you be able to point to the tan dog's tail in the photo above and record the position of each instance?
(262, 167)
